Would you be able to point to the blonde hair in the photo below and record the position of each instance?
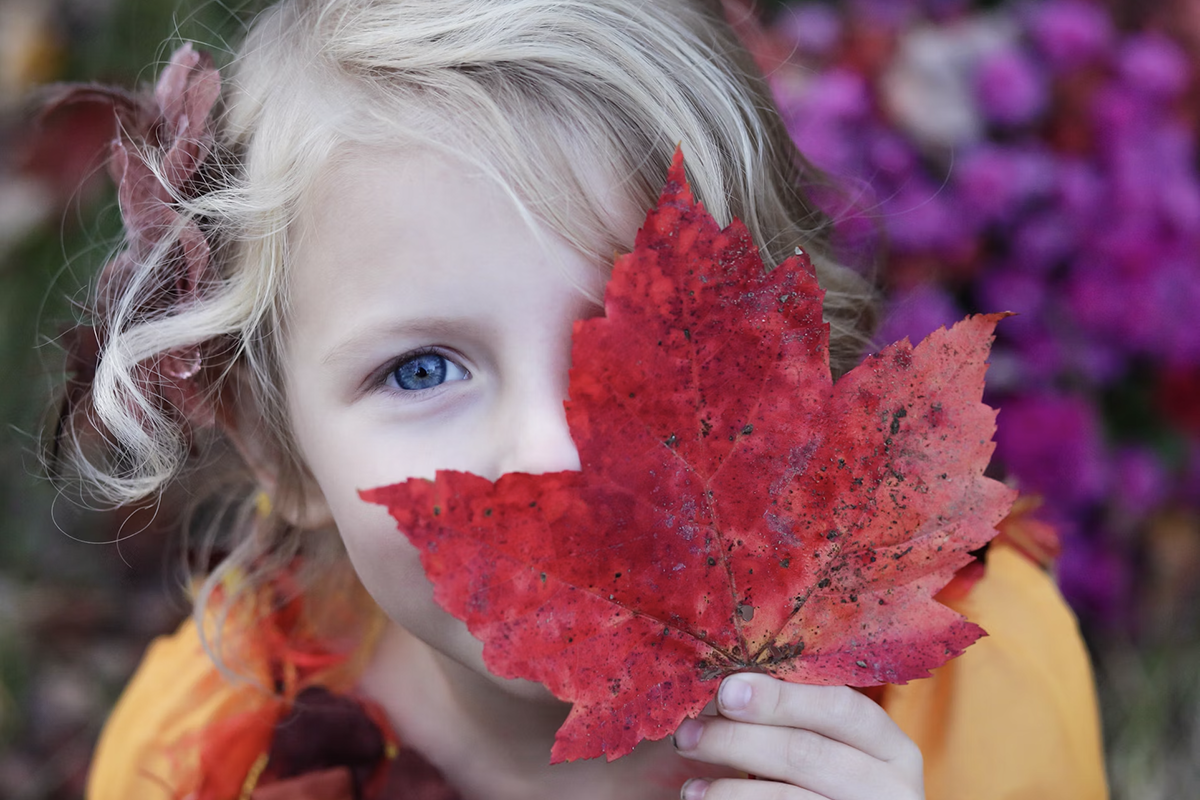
(540, 94)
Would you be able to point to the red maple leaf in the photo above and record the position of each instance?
(736, 509)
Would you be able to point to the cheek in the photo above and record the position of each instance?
(388, 566)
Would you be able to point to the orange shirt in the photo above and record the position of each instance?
(1014, 717)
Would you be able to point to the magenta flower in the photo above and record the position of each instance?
(1010, 87)
(996, 182)
(1097, 580)
(1023, 293)
(1139, 480)
(1070, 33)
(814, 28)
(1154, 66)
(918, 312)
(1051, 443)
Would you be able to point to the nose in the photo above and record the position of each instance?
(533, 433)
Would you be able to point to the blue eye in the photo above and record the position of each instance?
(426, 371)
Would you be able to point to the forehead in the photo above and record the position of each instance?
(389, 236)
(415, 192)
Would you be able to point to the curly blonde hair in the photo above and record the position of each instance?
(540, 94)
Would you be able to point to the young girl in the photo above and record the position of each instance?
(357, 258)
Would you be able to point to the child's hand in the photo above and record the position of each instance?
(802, 743)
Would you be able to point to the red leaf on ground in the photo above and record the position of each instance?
(736, 510)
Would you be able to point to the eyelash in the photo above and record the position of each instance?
(380, 380)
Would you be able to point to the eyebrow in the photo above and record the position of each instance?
(431, 327)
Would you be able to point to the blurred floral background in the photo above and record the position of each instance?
(1037, 157)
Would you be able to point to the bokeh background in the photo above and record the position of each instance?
(1038, 157)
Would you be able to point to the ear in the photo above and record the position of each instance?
(281, 475)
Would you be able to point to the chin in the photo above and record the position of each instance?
(467, 652)
(528, 691)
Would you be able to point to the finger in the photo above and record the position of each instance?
(802, 758)
(741, 789)
(836, 712)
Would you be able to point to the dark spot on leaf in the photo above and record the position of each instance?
(437, 511)
(543, 577)
(487, 512)
(746, 431)
(903, 553)
(712, 562)
(670, 441)
(862, 664)
(823, 584)
(785, 563)
(746, 612)
(687, 334)
(533, 503)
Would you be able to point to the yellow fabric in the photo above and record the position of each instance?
(174, 694)
(1013, 718)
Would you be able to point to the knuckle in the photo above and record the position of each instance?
(739, 789)
(718, 737)
(846, 704)
(779, 698)
(909, 758)
(778, 791)
(803, 751)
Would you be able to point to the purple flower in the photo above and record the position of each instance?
(892, 15)
(1106, 304)
(1041, 354)
(1096, 579)
(1153, 65)
(995, 182)
(1119, 117)
(1139, 480)
(891, 154)
(1080, 192)
(918, 312)
(827, 119)
(1098, 363)
(920, 217)
(1173, 291)
(1042, 241)
(1189, 485)
(1179, 199)
(1070, 33)
(815, 28)
(1010, 87)
(1051, 442)
(1007, 290)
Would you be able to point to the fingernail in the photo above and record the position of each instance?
(694, 789)
(735, 693)
(688, 735)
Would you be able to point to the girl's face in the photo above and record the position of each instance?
(429, 328)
